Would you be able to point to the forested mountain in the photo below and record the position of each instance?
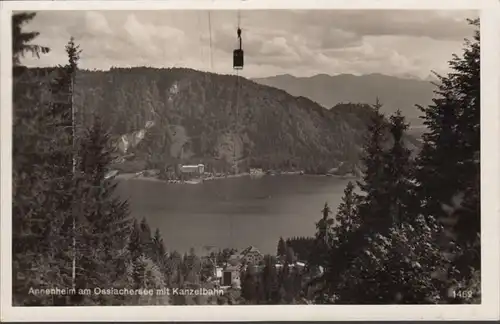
(216, 119)
(395, 93)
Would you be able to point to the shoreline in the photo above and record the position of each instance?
(135, 176)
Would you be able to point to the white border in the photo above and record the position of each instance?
(490, 179)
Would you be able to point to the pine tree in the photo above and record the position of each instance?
(105, 218)
(372, 209)
(249, 285)
(192, 264)
(63, 102)
(290, 257)
(398, 173)
(136, 252)
(281, 247)
(146, 239)
(373, 201)
(36, 189)
(43, 137)
(324, 226)
(347, 216)
(21, 39)
(270, 281)
(448, 167)
(323, 238)
(285, 284)
(398, 267)
(160, 251)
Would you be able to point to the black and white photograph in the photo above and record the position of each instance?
(244, 156)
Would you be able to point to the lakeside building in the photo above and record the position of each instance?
(187, 172)
(192, 169)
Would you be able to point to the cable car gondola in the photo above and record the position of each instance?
(238, 55)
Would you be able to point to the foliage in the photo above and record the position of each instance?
(42, 178)
(397, 268)
(398, 169)
(281, 247)
(104, 224)
(373, 200)
(453, 121)
(323, 238)
(413, 244)
(301, 246)
(21, 40)
(65, 211)
(347, 217)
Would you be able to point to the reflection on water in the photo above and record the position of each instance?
(235, 212)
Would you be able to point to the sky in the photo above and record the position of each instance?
(404, 43)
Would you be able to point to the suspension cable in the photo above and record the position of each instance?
(236, 126)
(210, 40)
(200, 28)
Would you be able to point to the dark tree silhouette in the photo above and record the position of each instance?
(21, 40)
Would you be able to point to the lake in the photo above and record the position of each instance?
(234, 212)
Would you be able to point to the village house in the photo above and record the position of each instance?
(251, 255)
(231, 274)
(234, 259)
(217, 276)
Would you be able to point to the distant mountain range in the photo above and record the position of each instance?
(328, 91)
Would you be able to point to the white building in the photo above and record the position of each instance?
(200, 168)
(218, 272)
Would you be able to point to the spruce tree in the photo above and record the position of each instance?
(63, 92)
(290, 257)
(160, 251)
(323, 238)
(146, 239)
(373, 200)
(249, 285)
(324, 226)
(270, 283)
(21, 40)
(397, 170)
(281, 247)
(372, 208)
(106, 223)
(398, 267)
(36, 221)
(448, 167)
(59, 158)
(136, 253)
(43, 137)
(347, 216)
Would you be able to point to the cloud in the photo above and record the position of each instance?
(96, 23)
(440, 25)
(399, 42)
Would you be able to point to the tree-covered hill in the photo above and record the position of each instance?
(197, 117)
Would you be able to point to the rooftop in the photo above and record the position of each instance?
(232, 268)
(251, 248)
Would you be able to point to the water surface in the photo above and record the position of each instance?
(235, 212)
